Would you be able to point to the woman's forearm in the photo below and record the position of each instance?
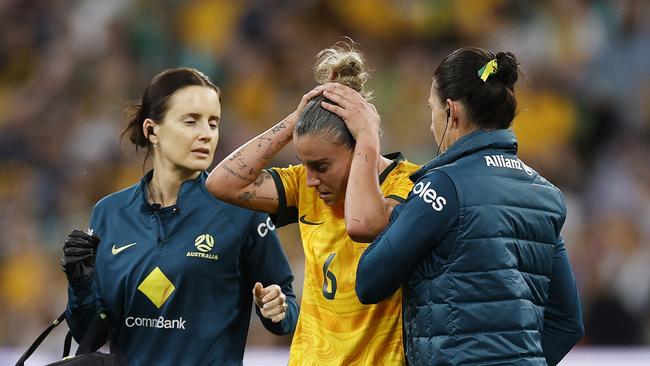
(239, 178)
(246, 163)
(366, 211)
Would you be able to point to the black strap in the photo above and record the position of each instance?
(117, 351)
(39, 340)
(95, 337)
(66, 345)
(100, 329)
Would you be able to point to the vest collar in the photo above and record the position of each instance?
(502, 139)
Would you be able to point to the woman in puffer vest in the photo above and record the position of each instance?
(477, 246)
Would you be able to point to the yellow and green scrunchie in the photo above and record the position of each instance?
(488, 69)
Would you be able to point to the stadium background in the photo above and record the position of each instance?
(69, 68)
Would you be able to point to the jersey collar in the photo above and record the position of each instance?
(396, 157)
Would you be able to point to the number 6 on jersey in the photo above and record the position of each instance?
(329, 295)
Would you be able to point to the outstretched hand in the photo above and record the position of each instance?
(359, 115)
(271, 301)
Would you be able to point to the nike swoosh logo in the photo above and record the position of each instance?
(115, 250)
(304, 221)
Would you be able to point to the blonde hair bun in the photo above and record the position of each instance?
(343, 63)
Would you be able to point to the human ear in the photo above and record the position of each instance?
(149, 129)
(453, 109)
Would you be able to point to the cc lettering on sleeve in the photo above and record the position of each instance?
(265, 227)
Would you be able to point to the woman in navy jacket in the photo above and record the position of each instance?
(177, 270)
(477, 244)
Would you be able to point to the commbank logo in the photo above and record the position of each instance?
(157, 287)
(429, 196)
(159, 322)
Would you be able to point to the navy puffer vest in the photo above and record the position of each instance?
(478, 298)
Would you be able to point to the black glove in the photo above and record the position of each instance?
(78, 260)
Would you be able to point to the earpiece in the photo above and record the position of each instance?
(444, 132)
(150, 129)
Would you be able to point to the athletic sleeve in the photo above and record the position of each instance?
(82, 301)
(81, 309)
(400, 185)
(265, 262)
(563, 326)
(415, 227)
(287, 181)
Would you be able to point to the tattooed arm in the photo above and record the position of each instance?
(240, 179)
(367, 212)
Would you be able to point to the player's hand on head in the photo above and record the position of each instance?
(359, 115)
(271, 301)
(78, 259)
(304, 100)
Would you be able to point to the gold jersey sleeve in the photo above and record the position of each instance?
(334, 328)
(290, 178)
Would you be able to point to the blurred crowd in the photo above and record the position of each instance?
(68, 69)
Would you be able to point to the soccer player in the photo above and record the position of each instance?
(177, 270)
(334, 327)
(476, 248)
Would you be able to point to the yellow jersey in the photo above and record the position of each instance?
(334, 327)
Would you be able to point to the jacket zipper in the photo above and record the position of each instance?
(158, 223)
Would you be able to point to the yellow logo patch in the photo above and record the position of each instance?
(204, 243)
(157, 287)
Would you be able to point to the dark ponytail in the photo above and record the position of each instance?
(155, 100)
(134, 118)
(491, 104)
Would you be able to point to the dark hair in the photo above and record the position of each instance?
(155, 100)
(341, 63)
(491, 104)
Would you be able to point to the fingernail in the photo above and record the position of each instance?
(266, 306)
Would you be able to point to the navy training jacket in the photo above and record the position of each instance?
(176, 282)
